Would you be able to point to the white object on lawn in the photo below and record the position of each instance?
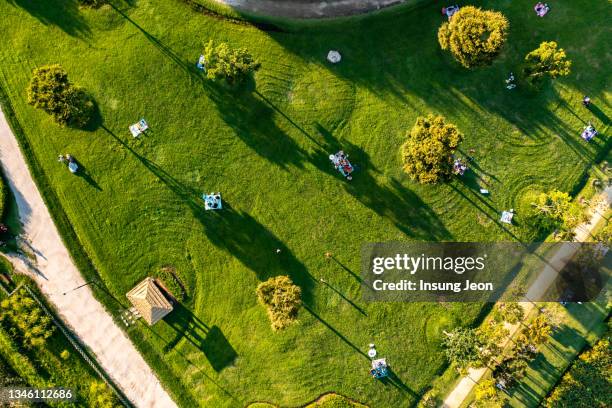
(334, 57)
(137, 128)
(507, 216)
(212, 201)
(484, 191)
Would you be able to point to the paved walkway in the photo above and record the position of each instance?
(56, 273)
(308, 8)
(536, 291)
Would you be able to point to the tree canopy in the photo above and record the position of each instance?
(546, 60)
(462, 347)
(232, 65)
(427, 154)
(474, 36)
(51, 91)
(557, 209)
(282, 299)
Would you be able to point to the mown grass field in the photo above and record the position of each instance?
(137, 207)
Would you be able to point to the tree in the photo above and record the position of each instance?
(556, 209)
(546, 60)
(223, 62)
(427, 154)
(25, 319)
(463, 348)
(511, 312)
(486, 395)
(538, 331)
(282, 299)
(510, 370)
(51, 91)
(474, 36)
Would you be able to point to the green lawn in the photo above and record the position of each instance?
(137, 207)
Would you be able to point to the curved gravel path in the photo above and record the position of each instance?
(55, 273)
(308, 8)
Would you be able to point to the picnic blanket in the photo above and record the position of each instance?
(212, 201)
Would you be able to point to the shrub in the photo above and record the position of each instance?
(474, 36)
(428, 153)
(65, 355)
(22, 313)
(282, 299)
(556, 209)
(101, 396)
(546, 60)
(511, 312)
(223, 62)
(486, 395)
(462, 347)
(51, 91)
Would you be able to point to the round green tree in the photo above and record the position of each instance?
(51, 91)
(282, 299)
(474, 36)
(548, 60)
(232, 65)
(427, 154)
(462, 347)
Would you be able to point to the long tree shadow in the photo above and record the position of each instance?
(335, 331)
(238, 233)
(200, 370)
(252, 120)
(392, 200)
(63, 14)
(210, 340)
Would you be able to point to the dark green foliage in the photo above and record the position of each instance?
(546, 60)
(428, 153)
(588, 382)
(474, 36)
(51, 91)
(462, 347)
(282, 299)
(26, 319)
(232, 65)
(556, 209)
(511, 312)
(101, 396)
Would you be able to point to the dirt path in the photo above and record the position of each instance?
(56, 273)
(308, 8)
(535, 291)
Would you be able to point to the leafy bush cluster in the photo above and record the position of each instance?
(282, 299)
(101, 396)
(51, 91)
(588, 382)
(26, 319)
(427, 155)
(557, 210)
(474, 36)
(232, 65)
(546, 60)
